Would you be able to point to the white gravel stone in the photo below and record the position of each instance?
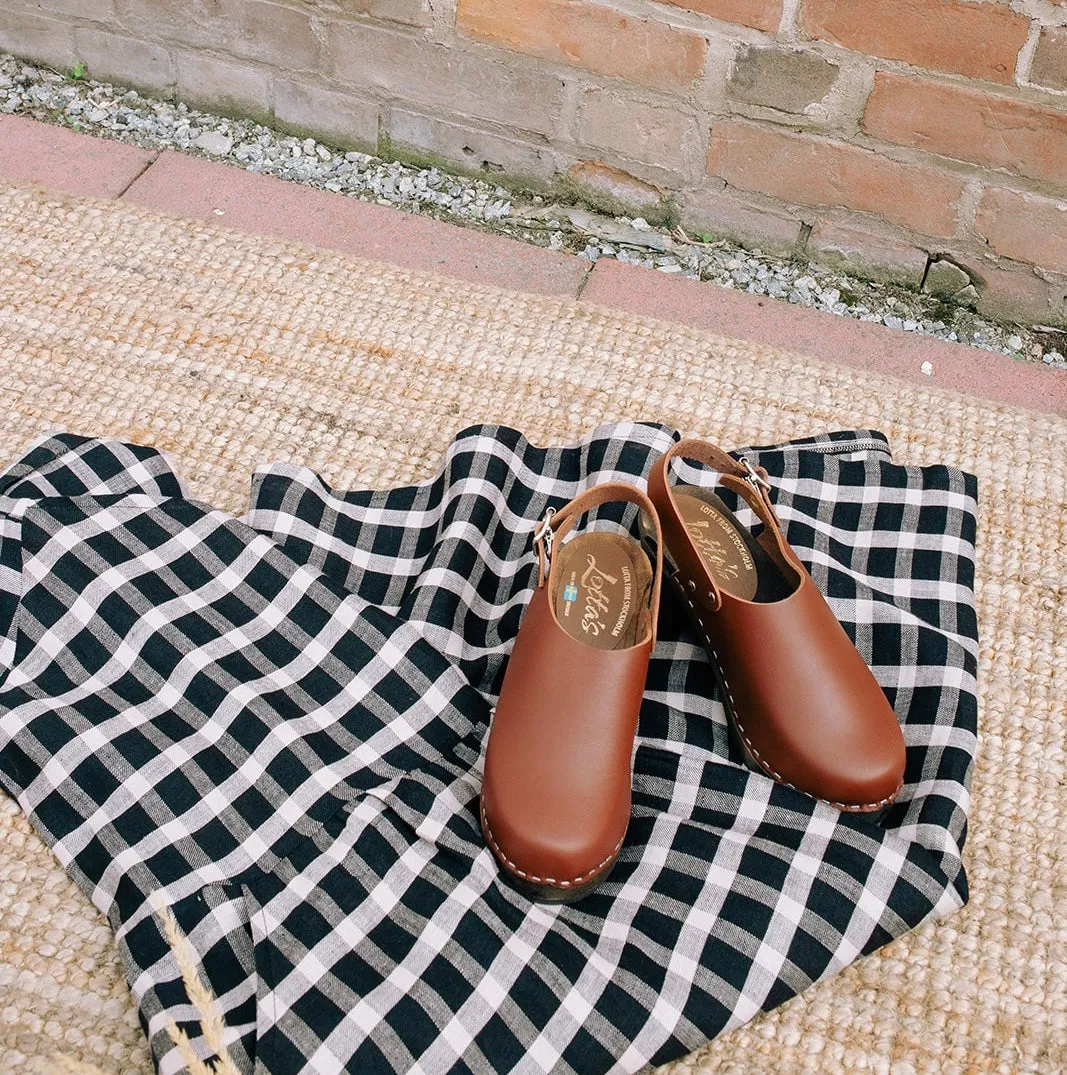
(216, 144)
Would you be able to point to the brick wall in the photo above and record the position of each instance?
(877, 132)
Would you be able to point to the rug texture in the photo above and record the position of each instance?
(228, 351)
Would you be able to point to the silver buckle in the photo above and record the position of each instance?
(753, 479)
(544, 533)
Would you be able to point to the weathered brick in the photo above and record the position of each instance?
(804, 169)
(420, 72)
(1017, 297)
(409, 12)
(589, 35)
(1015, 293)
(278, 35)
(760, 14)
(481, 151)
(404, 12)
(97, 10)
(1049, 68)
(722, 215)
(945, 278)
(186, 22)
(965, 38)
(1025, 227)
(222, 86)
(867, 254)
(787, 80)
(49, 41)
(1057, 287)
(651, 134)
(969, 124)
(338, 118)
(614, 184)
(111, 58)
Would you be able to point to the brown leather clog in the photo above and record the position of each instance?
(800, 699)
(555, 801)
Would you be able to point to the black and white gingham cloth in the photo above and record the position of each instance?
(274, 725)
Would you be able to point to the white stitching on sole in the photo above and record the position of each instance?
(514, 868)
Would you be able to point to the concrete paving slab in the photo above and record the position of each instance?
(61, 159)
(839, 339)
(193, 187)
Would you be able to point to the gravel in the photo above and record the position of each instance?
(125, 115)
(214, 143)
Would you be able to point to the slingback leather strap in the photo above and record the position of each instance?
(791, 679)
(557, 524)
(741, 477)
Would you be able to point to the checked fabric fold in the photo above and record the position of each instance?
(275, 724)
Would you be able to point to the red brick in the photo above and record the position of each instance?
(965, 38)
(406, 12)
(867, 254)
(1057, 286)
(223, 86)
(97, 10)
(652, 134)
(1025, 227)
(1013, 295)
(471, 148)
(109, 57)
(804, 169)
(615, 184)
(338, 118)
(788, 80)
(759, 14)
(1008, 291)
(47, 41)
(410, 12)
(588, 35)
(444, 80)
(188, 22)
(1050, 59)
(718, 214)
(969, 124)
(277, 35)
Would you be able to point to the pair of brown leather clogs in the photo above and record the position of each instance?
(802, 704)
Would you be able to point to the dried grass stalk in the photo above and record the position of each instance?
(212, 1025)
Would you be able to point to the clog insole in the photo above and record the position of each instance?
(602, 583)
(734, 558)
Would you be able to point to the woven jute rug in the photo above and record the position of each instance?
(229, 350)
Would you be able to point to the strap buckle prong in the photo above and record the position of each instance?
(754, 478)
(544, 533)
